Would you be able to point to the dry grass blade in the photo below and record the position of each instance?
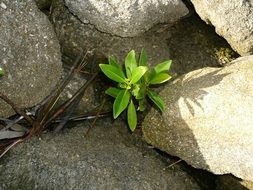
(71, 104)
(45, 114)
(16, 109)
(45, 109)
(87, 116)
(7, 147)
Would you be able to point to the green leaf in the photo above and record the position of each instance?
(120, 103)
(124, 85)
(138, 72)
(156, 99)
(138, 91)
(150, 74)
(130, 63)
(165, 66)
(112, 72)
(131, 116)
(142, 105)
(113, 62)
(112, 92)
(159, 78)
(143, 58)
(1, 71)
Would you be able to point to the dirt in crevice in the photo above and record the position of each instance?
(193, 45)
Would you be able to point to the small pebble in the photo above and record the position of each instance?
(3, 5)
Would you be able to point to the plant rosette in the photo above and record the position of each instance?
(134, 84)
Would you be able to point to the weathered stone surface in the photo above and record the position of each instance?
(29, 54)
(191, 44)
(208, 120)
(232, 19)
(127, 18)
(107, 158)
(89, 102)
(194, 45)
(43, 4)
(74, 35)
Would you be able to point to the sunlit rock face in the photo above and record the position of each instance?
(208, 121)
(232, 19)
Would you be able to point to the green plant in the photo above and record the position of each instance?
(134, 84)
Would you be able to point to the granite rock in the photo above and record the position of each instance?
(108, 158)
(190, 43)
(75, 35)
(29, 54)
(233, 20)
(208, 119)
(127, 18)
(43, 4)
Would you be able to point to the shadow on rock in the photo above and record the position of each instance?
(169, 131)
(211, 79)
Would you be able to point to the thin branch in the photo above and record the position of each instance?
(70, 101)
(55, 95)
(87, 116)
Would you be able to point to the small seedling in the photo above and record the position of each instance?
(134, 84)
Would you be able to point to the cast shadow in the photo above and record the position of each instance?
(196, 87)
(176, 130)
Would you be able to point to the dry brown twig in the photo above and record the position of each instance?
(48, 114)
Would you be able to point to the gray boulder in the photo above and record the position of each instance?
(29, 54)
(208, 120)
(74, 35)
(232, 19)
(190, 43)
(108, 158)
(127, 18)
